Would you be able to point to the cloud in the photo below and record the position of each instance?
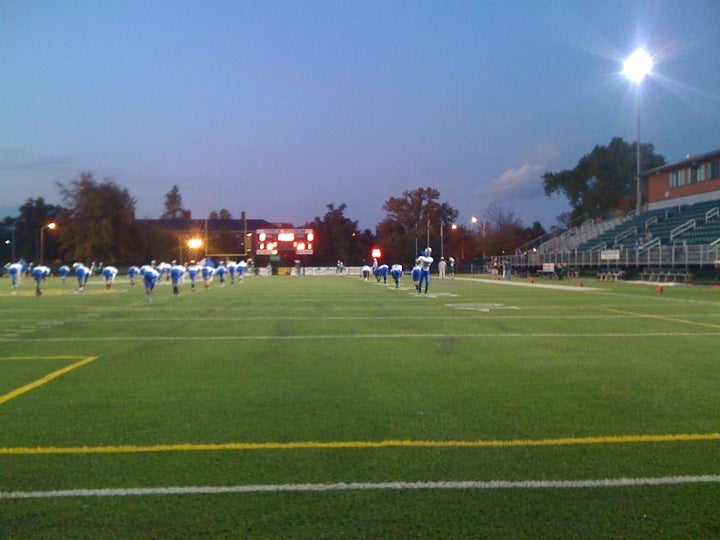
(522, 183)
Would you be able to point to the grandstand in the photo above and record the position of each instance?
(677, 235)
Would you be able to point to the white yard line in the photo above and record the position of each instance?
(366, 486)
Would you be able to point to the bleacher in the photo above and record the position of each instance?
(688, 224)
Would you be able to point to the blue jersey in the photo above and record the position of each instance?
(176, 274)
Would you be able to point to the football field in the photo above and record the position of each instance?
(310, 407)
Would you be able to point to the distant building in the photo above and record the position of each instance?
(693, 180)
(219, 236)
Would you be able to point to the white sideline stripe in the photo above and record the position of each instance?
(366, 486)
(365, 336)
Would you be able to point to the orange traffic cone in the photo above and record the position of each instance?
(660, 289)
(532, 280)
(579, 283)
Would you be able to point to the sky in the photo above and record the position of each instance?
(279, 108)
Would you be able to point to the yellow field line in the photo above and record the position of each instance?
(354, 445)
(63, 357)
(661, 318)
(46, 379)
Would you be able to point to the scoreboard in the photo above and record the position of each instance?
(273, 241)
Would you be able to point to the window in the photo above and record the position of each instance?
(715, 169)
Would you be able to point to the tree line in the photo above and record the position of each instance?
(96, 220)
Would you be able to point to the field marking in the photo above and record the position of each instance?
(512, 283)
(367, 486)
(514, 335)
(357, 445)
(661, 318)
(47, 378)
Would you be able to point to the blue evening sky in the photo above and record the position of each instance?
(281, 107)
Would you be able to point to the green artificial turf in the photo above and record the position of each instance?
(288, 381)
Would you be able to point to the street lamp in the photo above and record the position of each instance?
(636, 67)
(51, 226)
(442, 240)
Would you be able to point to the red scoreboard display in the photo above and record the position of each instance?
(273, 241)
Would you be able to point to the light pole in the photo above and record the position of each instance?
(428, 233)
(51, 226)
(442, 240)
(636, 67)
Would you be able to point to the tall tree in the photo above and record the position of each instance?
(222, 214)
(99, 223)
(33, 216)
(337, 237)
(173, 205)
(410, 220)
(604, 179)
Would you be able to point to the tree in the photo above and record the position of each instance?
(25, 229)
(222, 214)
(337, 237)
(410, 220)
(99, 223)
(604, 179)
(174, 205)
(505, 232)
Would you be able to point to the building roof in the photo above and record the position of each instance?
(193, 225)
(689, 161)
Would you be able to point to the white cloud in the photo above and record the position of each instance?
(522, 183)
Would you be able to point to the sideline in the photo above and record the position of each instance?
(367, 486)
(513, 283)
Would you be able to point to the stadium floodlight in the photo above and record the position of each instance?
(636, 67)
(195, 243)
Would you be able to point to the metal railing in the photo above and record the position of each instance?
(678, 255)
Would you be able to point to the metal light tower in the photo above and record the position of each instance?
(636, 67)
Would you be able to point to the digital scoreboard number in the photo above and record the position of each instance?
(274, 241)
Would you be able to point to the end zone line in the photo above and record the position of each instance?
(356, 445)
(367, 486)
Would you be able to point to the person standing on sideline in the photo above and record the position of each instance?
(451, 267)
(442, 267)
(396, 273)
(426, 261)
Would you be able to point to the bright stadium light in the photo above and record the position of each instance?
(637, 66)
(195, 243)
